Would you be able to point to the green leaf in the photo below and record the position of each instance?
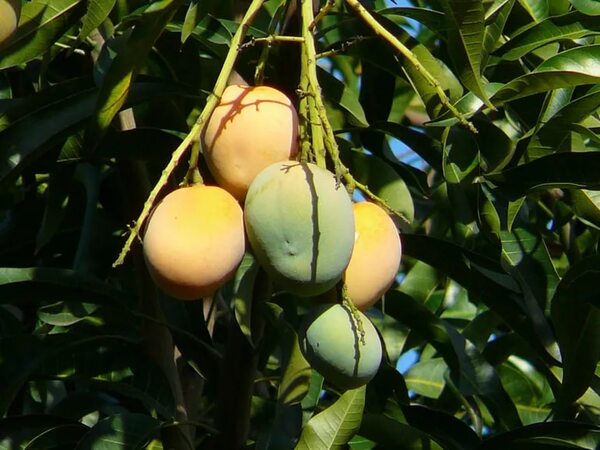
(335, 426)
(589, 7)
(526, 257)
(382, 180)
(465, 42)
(461, 155)
(496, 19)
(66, 313)
(192, 18)
(537, 9)
(528, 388)
(127, 430)
(586, 205)
(577, 324)
(561, 170)
(426, 378)
(573, 67)
(296, 378)
(339, 94)
(96, 13)
(42, 23)
(117, 82)
(573, 25)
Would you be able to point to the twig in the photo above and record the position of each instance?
(194, 133)
(269, 40)
(342, 48)
(380, 30)
(322, 13)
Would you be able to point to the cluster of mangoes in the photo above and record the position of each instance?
(299, 221)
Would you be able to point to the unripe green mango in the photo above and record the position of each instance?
(331, 342)
(10, 11)
(300, 224)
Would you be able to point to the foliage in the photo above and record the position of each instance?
(496, 298)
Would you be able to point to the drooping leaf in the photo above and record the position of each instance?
(465, 42)
(334, 427)
(496, 20)
(586, 205)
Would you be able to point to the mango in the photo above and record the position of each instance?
(194, 241)
(10, 10)
(376, 255)
(300, 225)
(250, 129)
(331, 342)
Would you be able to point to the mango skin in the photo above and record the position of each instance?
(10, 11)
(300, 225)
(194, 241)
(330, 342)
(250, 129)
(376, 255)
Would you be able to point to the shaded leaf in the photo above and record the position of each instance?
(42, 22)
(127, 430)
(339, 94)
(586, 205)
(561, 170)
(577, 324)
(427, 377)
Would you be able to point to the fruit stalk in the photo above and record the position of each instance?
(193, 135)
(310, 92)
(379, 30)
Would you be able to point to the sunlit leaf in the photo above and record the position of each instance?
(333, 428)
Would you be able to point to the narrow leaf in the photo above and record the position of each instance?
(573, 25)
(573, 67)
(465, 42)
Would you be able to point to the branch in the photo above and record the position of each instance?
(401, 48)
(194, 133)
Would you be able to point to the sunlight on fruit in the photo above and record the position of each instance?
(194, 241)
(250, 129)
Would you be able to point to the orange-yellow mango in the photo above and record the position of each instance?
(376, 255)
(10, 11)
(194, 241)
(250, 129)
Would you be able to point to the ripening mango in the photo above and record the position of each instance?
(376, 255)
(300, 225)
(10, 10)
(331, 342)
(194, 241)
(251, 128)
